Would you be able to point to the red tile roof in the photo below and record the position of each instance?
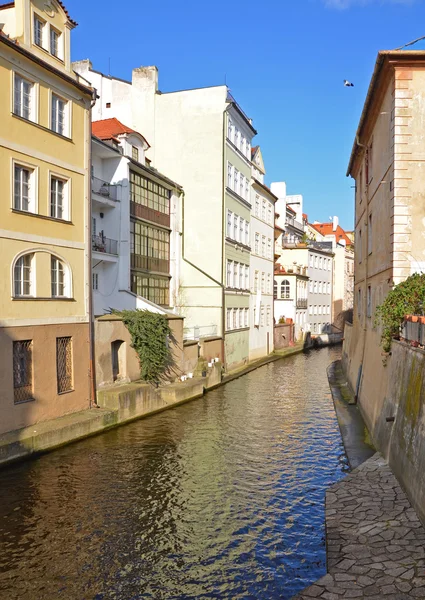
(109, 129)
(253, 151)
(327, 229)
(10, 4)
(290, 209)
(305, 217)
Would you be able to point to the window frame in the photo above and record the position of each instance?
(33, 108)
(66, 211)
(22, 280)
(33, 180)
(67, 121)
(39, 19)
(59, 42)
(66, 280)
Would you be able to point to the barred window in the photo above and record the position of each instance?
(148, 193)
(64, 364)
(22, 371)
(155, 289)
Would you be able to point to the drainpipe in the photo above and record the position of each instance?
(92, 368)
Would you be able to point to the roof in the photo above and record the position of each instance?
(290, 209)
(265, 188)
(61, 4)
(305, 217)
(254, 150)
(384, 58)
(109, 129)
(327, 229)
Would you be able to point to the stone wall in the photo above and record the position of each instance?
(283, 336)
(391, 397)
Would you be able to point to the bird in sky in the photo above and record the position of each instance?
(348, 83)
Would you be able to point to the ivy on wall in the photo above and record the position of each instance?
(406, 298)
(152, 338)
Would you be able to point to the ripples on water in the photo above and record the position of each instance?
(220, 498)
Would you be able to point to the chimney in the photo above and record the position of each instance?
(145, 78)
(335, 223)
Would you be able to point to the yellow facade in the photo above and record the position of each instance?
(44, 208)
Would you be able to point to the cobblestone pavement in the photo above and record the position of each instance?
(376, 543)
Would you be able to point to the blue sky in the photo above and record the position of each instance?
(284, 61)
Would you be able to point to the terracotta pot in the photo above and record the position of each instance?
(414, 318)
(422, 320)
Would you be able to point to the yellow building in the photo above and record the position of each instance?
(45, 135)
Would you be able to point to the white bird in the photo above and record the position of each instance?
(348, 84)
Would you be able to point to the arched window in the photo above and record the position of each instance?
(59, 278)
(285, 289)
(275, 289)
(23, 276)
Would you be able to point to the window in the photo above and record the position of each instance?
(242, 186)
(237, 138)
(95, 281)
(229, 129)
(241, 276)
(359, 246)
(310, 310)
(149, 248)
(269, 248)
(148, 193)
(246, 277)
(23, 98)
(235, 227)
(319, 309)
(229, 280)
(242, 144)
(268, 315)
(241, 317)
(22, 371)
(246, 317)
(58, 278)
(269, 280)
(369, 301)
(235, 274)
(315, 309)
(229, 319)
(58, 208)
(247, 189)
(241, 230)
(229, 223)
(59, 115)
(329, 287)
(257, 243)
(257, 206)
(269, 215)
(315, 287)
(263, 282)
(263, 245)
(275, 289)
(285, 289)
(235, 318)
(369, 235)
(152, 287)
(369, 163)
(359, 302)
(229, 175)
(262, 316)
(23, 188)
(23, 276)
(39, 31)
(320, 263)
(55, 36)
(329, 264)
(310, 286)
(248, 149)
(135, 153)
(256, 279)
(263, 210)
(247, 233)
(64, 364)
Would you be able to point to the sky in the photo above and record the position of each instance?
(283, 60)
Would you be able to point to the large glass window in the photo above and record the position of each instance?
(23, 98)
(148, 193)
(150, 247)
(58, 115)
(23, 193)
(23, 276)
(155, 289)
(57, 278)
(285, 289)
(58, 209)
(38, 31)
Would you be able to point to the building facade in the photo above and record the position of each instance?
(202, 139)
(262, 261)
(45, 342)
(135, 224)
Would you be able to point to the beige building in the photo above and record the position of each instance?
(387, 164)
(44, 218)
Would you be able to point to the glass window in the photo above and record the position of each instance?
(268, 316)
(229, 128)
(235, 274)
(256, 279)
(57, 278)
(246, 317)
(23, 98)
(263, 282)
(229, 281)
(229, 319)
(241, 230)
(269, 279)
(229, 223)
(57, 198)
(257, 206)
(38, 31)
(55, 42)
(247, 233)
(263, 210)
(58, 116)
(229, 175)
(23, 193)
(135, 153)
(269, 248)
(64, 364)
(236, 181)
(147, 193)
(153, 288)
(235, 227)
(235, 318)
(22, 371)
(242, 185)
(263, 245)
(257, 243)
(246, 277)
(241, 276)
(275, 289)
(149, 247)
(285, 289)
(23, 276)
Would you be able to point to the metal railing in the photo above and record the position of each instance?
(197, 332)
(100, 243)
(103, 188)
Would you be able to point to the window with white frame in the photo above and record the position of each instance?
(246, 277)
(320, 262)
(329, 264)
(229, 223)
(242, 186)
(24, 188)
(263, 282)
(246, 317)
(55, 42)
(256, 280)
(319, 309)
(268, 316)
(135, 153)
(257, 206)
(241, 276)
(235, 227)
(59, 115)
(39, 31)
(247, 189)
(235, 274)
(229, 319)
(311, 260)
(241, 317)
(269, 214)
(236, 181)
(59, 198)
(229, 128)
(247, 233)
(263, 245)
(275, 287)
(315, 287)
(359, 302)
(329, 287)
(24, 104)
(269, 248)
(60, 285)
(310, 310)
(241, 229)
(237, 137)
(248, 149)
(269, 281)
(235, 318)
(262, 316)
(311, 286)
(229, 175)
(263, 210)
(257, 243)
(23, 277)
(316, 261)
(285, 289)
(229, 277)
(315, 309)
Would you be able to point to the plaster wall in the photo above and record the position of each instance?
(236, 344)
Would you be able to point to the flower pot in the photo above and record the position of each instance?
(414, 318)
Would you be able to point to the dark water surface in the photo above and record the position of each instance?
(219, 498)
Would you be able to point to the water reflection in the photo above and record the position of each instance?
(219, 498)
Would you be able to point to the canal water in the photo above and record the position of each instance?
(219, 498)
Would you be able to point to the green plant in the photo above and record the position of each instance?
(282, 321)
(151, 337)
(406, 298)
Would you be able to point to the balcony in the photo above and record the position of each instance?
(150, 263)
(106, 193)
(100, 243)
(302, 303)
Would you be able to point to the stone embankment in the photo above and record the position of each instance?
(375, 540)
(118, 405)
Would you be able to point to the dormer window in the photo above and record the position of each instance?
(135, 153)
(39, 25)
(55, 37)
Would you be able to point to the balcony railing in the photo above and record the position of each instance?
(301, 303)
(100, 243)
(103, 188)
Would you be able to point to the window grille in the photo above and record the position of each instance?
(64, 364)
(22, 371)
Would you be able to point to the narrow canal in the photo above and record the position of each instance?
(219, 498)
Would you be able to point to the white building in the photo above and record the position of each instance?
(291, 297)
(262, 260)
(201, 138)
(135, 227)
